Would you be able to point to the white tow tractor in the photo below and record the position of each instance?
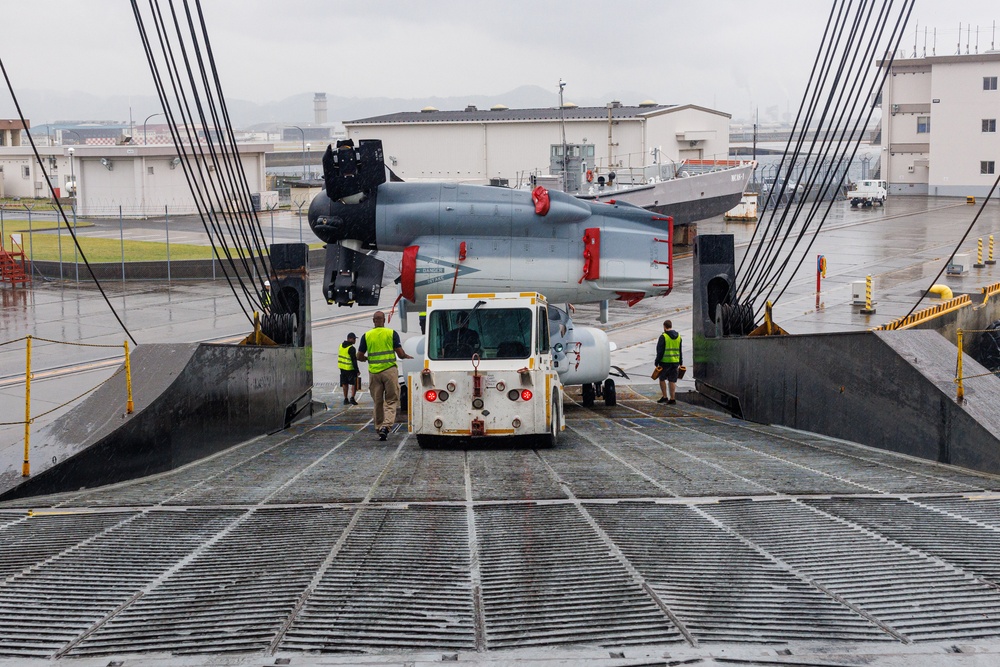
(488, 371)
(868, 193)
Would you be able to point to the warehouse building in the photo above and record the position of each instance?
(503, 145)
(939, 125)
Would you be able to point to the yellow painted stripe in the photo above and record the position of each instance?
(492, 295)
(431, 297)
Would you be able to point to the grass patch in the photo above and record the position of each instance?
(45, 247)
(15, 226)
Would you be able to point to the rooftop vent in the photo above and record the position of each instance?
(569, 105)
(428, 110)
(471, 107)
(616, 104)
(499, 107)
(647, 103)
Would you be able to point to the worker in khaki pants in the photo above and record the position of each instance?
(380, 347)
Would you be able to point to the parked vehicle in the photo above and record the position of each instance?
(868, 193)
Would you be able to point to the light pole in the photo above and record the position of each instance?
(72, 172)
(144, 125)
(303, 149)
(308, 151)
(562, 120)
(79, 138)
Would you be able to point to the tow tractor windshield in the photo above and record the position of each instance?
(492, 333)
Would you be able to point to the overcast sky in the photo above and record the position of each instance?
(732, 55)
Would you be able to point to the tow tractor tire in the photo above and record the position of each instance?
(429, 441)
(588, 395)
(551, 439)
(610, 397)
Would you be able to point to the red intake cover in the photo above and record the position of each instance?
(541, 198)
(408, 273)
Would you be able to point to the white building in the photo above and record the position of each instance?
(141, 180)
(939, 125)
(478, 145)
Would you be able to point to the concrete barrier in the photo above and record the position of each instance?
(191, 400)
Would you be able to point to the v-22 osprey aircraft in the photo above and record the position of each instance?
(457, 238)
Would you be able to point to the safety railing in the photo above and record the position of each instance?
(927, 314)
(29, 419)
(960, 376)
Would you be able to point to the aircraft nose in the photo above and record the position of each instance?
(335, 221)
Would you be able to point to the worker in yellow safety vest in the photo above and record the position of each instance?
(669, 359)
(265, 298)
(380, 347)
(347, 362)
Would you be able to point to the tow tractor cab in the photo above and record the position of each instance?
(488, 371)
(868, 193)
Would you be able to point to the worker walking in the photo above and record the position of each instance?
(380, 347)
(265, 298)
(669, 358)
(347, 361)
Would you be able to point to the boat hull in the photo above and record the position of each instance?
(687, 200)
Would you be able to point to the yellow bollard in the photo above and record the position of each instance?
(979, 256)
(958, 380)
(26, 468)
(990, 259)
(129, 406)
(868, 310)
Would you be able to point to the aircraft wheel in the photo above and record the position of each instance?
(610, 397)
(588, 395)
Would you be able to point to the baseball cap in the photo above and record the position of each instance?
(350, 336)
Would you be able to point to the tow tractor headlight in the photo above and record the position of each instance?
(513, 394)
(477, 403)
(442, 395)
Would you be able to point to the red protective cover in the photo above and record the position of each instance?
(591, 254)
(408, 273)
(541, 198)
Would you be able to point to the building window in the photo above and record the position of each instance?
(987, 167)
(25, 171)
(149, 170)
(989, 125)
(989, 83)
(923, 124)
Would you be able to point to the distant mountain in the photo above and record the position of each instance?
(49, 106)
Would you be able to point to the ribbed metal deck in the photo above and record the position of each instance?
(648, 526)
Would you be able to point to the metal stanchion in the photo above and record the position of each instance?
(958, 372)
(868, 310)
(129, 405)
(26, 468)
(979, 256)
(989, 259)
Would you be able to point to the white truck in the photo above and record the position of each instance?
(868, 193)
(487, 371)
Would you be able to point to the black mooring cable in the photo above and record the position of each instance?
(72, 232)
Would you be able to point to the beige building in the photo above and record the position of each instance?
(476, 145)
(939, 125)
(142, 180)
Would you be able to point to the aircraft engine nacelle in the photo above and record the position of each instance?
(585, 355)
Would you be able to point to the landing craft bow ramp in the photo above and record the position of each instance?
(651, 534)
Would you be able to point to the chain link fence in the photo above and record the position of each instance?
(174, 245)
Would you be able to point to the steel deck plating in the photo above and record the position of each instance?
(672, 529)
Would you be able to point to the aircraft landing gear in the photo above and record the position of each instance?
(610, 396)
(589, 393)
